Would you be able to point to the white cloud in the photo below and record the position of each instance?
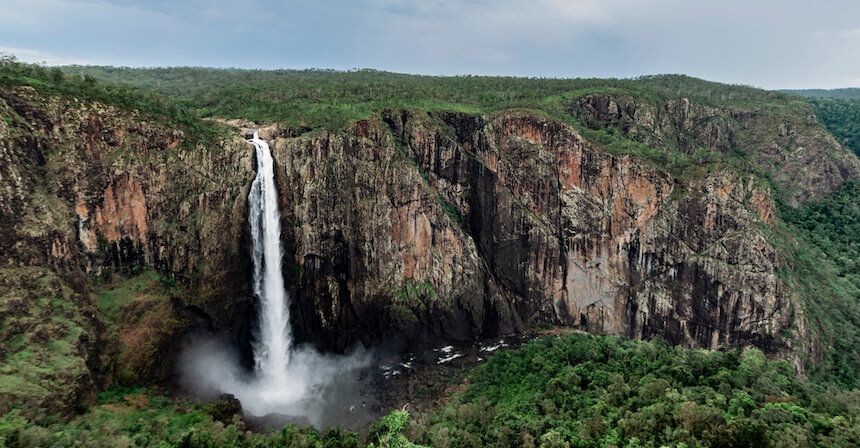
(772, 43)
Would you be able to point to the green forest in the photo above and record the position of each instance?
(842, 119)
(331, 99)
(586, 391)
(555, 392)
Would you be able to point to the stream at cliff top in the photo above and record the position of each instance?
(288, 383)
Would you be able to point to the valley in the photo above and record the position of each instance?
(205, 257)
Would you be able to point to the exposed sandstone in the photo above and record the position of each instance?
(88, 190)
(801, 157)
(413, 226)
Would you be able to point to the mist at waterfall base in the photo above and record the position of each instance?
(288, 383)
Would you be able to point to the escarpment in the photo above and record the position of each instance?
(410, 226)
(91, 192)
(455, 226)
(782, 140)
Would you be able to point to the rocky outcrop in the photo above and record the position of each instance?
(599, 242)
(372, 248)
(783, 140)
(89, 191)
(455, 226)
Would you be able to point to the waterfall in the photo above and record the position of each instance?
(287, 381)
(272, 348)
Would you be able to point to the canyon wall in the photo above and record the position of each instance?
(458, 227)
(411, 227)
(89, 193)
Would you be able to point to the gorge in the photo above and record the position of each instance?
(642, 209)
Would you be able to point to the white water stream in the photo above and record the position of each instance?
(295, 382)
(272, 349)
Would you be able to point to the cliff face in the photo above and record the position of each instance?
(516, 218)
(410, 227)
(89, 191)
(799, 155)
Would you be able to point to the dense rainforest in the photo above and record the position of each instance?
(567, 390)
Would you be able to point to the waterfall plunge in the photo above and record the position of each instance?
(272, 349)
(294, 382)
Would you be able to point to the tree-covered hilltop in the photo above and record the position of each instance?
(328, 98)
(847, 93)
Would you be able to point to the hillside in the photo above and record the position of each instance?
(841, 94)
(428, 210)
(327, 98)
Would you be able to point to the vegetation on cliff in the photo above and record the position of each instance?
(842, 119)
(839, 111)
(303, 100)
(824, 266)
(54, 81)
(573, 391)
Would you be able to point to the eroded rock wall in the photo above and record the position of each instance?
(87, 191)
(411, 227)
(512, 218)
(783, 139)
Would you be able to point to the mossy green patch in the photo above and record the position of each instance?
(141, 320)
(147, 286)
(411, 292)
(44, 368)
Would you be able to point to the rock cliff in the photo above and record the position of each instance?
(460, 226)
(89, 191)
(411, 226)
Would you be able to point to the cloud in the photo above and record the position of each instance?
(773, 43)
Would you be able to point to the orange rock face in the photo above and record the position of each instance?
(122, 212)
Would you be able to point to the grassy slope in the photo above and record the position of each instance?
(86, 88)
(41, 322)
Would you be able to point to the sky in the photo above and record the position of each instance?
(765, 43)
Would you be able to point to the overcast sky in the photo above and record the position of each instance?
(767, 43)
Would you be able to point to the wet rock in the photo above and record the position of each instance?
(225, 408)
